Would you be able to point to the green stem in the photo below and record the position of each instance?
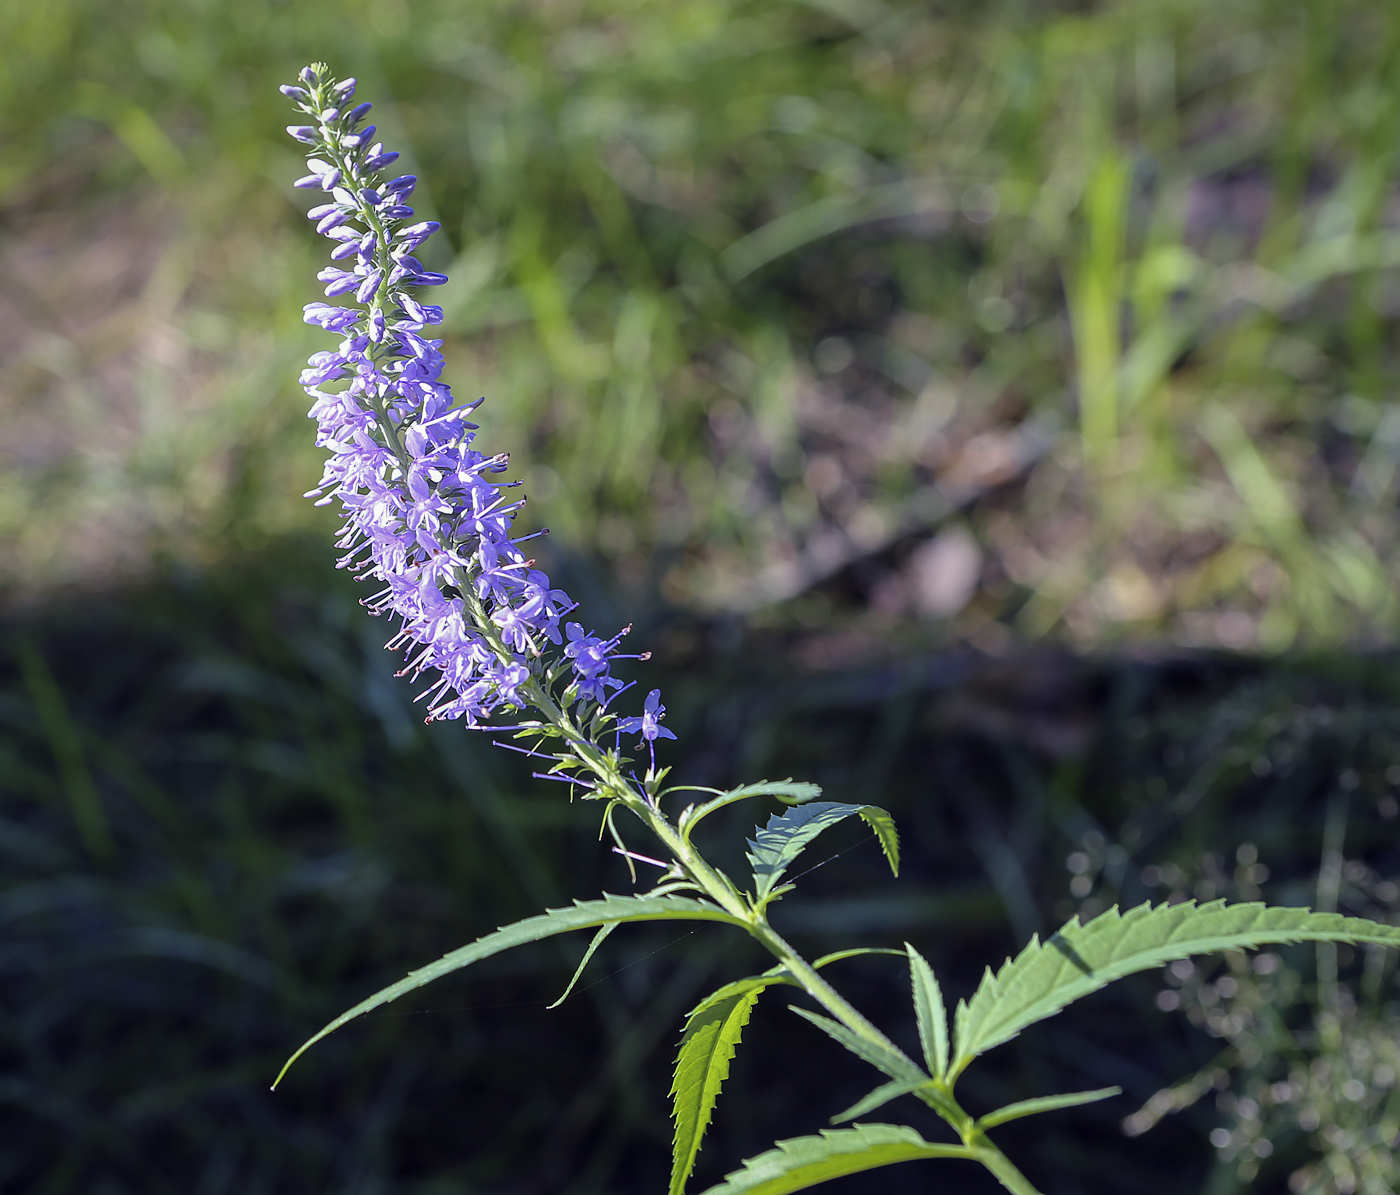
(612, 784)
(817, 987)
(1001, 1166)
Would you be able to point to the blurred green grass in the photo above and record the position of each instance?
(762, 295)
(221, 821)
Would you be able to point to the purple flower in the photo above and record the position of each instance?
(649, 724)
(422, 516)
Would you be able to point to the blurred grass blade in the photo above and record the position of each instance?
(136, 128)
(1095, 309)
(65, 742)
(1275, 515)
(1255, 483)
(832, 214)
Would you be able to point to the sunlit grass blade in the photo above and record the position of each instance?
(930, 1013)
(1045, 1103)
(1080, 959)
(1095, 298)
(712, 1033)
(585, 914)
(805, 1161)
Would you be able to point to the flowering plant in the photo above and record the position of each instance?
(427, 519)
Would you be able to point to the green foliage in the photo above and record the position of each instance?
(777, 845)
(660, 215)
(712, 1032)
(1045, 1103)
(711, 1035)
(585, 914)
(883, 825)
(792, 792)
(598, 939)
(882, 1055)
(1080, 959)
(885, 1056)
(804, 1161)
(930, 1013)
(881, 1096)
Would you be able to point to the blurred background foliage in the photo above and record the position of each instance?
(1042, 318)
(857, 351)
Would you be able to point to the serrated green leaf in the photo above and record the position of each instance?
(712, 1032)
(584, 914)
(1045, 1103)
(883, 1057)
(598, 939)
(805, 1161)
(882, 823)
(930, 1013)
(1080, 959)
(879, 1097)
(787, 834)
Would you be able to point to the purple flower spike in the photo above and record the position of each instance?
(422, 516)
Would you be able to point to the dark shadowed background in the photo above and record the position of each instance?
(982, 408)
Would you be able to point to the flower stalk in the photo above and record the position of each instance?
(426, 517)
